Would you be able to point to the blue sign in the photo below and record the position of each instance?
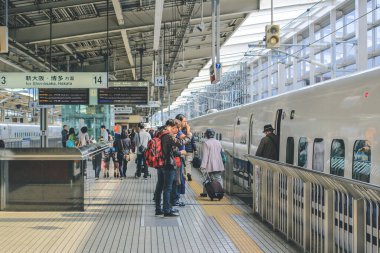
(218, 65)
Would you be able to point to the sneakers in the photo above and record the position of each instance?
(179, 203)
(189, 177)
(203, 194)
(96, 178)
(171, 214)
(173, 210)
(159, 213)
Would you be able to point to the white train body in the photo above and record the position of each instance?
(26, 131)
(344, 111)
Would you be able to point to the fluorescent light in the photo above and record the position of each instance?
(157, 23)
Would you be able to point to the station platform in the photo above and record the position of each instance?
(120, 218)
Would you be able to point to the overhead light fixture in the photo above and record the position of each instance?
(201, 26)
(157, 23)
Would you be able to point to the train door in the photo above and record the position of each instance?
(278, 127)
(250, 134)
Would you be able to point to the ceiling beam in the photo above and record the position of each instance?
(139, 20)
(50, 5)
(129, 52)
(118, 12)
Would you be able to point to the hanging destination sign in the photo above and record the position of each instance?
(63, 96)
(53, 80)
(124, 93)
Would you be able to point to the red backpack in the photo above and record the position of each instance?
(153, 154)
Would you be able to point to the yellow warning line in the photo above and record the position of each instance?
(222, 215)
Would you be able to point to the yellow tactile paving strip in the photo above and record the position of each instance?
(222, 212)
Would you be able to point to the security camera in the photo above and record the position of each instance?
(200, 27)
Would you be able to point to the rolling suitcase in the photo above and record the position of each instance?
(213, 188)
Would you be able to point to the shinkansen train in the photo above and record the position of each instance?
(25, 131)
(332, 127)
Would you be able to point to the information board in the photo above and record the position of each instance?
(53, 80)
(130, 95)
(63, 96)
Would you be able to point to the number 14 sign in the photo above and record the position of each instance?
(159, 81)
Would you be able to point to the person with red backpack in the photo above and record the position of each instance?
(166, 174)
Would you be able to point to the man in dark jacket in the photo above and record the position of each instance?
(268, 147)
(166, 175)
(65, 135)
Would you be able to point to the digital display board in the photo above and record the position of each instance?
(129, 95)
(63, 96)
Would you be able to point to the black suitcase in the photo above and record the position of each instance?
(196, 162)
(213, 188)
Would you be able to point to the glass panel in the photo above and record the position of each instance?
(290, 150)
(318, 154)
(337, 158)
(302, 152)
(361, 166)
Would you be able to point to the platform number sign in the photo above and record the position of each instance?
(159, 81)
(3, 80)
(97, 80)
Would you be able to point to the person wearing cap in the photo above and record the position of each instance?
(141, 139)
(211, 158)
(268, 147)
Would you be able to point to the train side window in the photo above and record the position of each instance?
(290, 150)
(318, 154)
(302, 152)
(220, 137)
(361, 162)
(217, 136)
(337, 158)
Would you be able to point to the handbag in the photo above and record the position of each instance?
(224, 157)
(70, 144)
(127, 157)
(141, 148)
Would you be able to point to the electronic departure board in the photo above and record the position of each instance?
(63, 96)
(130, 95)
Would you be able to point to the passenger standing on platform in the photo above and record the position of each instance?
(64, 134)
(84, 138)
(268, 147)
(212, 158)
(141, 141)
(2, 144)
(103, 133)
(191, 150)
(180, 182)
(72, 139)
(123, 146)
(127, 151)
(132, 137)
(166, 176)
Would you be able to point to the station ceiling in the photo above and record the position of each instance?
(80, 35)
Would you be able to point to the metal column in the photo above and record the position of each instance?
(361, 34)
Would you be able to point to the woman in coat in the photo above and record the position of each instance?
(212, 157)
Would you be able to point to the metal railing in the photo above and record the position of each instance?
(32, 143)
(318, 211)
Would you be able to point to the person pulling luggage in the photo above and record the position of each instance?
(212, 162)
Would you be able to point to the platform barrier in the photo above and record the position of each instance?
(45, 179)
(32, 142)
(319, 212)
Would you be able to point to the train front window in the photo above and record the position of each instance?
(302, 152)
(361, 164)
(290, 150)
(318, 154)
(337, 158)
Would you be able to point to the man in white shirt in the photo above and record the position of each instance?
(141, 140)
(103, 133)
